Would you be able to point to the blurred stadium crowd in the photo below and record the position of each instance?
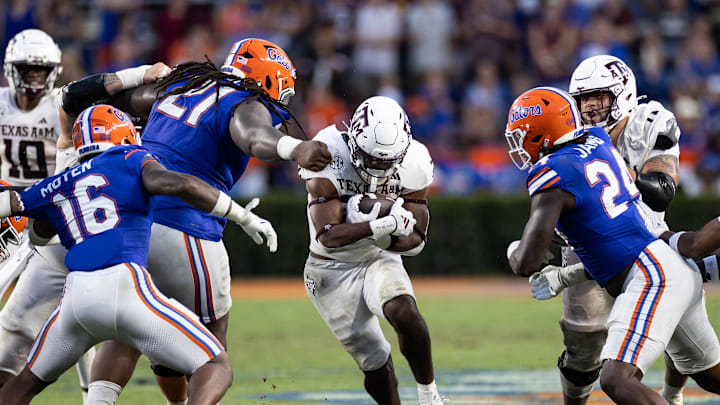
(454, 65)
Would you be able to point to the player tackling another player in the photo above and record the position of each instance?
(354, 273)
(579, 182)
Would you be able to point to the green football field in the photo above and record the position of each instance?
(280, 348)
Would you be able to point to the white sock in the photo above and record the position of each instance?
(183, 402)
(427, 393)
(672, 394)
(103, 393)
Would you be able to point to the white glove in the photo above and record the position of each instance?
(355, 216)
(253, 225)
(404, 218)
(551, 280)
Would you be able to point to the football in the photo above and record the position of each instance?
(369, 200)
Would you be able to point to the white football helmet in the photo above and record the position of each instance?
(379, 137)
(605, 73)
(32, 47)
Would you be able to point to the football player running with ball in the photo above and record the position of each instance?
(354, 273)
(646, 136)
(207, 122)
(101, 211)
(580, 183)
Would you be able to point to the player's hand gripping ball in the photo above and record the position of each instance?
(367, 207)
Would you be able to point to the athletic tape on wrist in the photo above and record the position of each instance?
(132, 77)
(286, 145)
(383, 226)
(222, 205)
(673, 241)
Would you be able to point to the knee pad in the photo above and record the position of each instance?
(576, 384)
(582, 349)
(162, 371)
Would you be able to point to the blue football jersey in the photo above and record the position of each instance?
(189, 133)
(605, 227)
(100, 209)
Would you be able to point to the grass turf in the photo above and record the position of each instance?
(282, 345)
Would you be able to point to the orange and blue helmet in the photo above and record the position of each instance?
(539, 119)
(10, 230)
(101, 127)
(264, 62)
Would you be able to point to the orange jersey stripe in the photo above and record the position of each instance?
(550, 183)
(537, 176)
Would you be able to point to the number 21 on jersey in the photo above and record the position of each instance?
(600, 171)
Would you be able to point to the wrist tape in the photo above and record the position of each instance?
(383, 226)
(673, 241)
(286, 145)
(132, 77)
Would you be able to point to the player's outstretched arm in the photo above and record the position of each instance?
(158, 180)
(696, 245)
(545, 209)
(252, 131)
(128, 89)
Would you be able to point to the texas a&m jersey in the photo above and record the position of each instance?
(605, 226)
(189, 133)
(100, 209)
(415, 173)
(28, 138)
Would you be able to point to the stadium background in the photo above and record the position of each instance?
(455, 66)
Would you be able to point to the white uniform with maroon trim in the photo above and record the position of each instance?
(350, 290)
(28, 138)
(28, 154)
